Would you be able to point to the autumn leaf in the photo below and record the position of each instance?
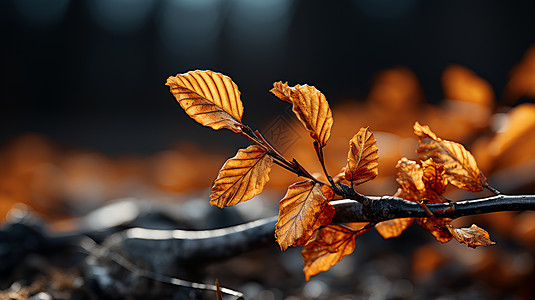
(460, 166)
(437, 227)
(433, 176)
(328, 193)
(282, 91)
(362, 158)
(242, 177)
(328, 247)
(472, 237)
(326, 215)
(210, 98)
(298, 213)
(393, 228)
(434, 180)
(311, 108)
(409, 178)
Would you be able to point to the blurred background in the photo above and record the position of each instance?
(86, 119)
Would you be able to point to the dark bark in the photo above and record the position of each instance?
(389, 207)
(180, 246)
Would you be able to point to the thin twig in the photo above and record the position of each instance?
(319, 154)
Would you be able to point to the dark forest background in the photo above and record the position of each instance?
(92, 73)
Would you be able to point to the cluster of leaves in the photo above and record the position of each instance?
(305, 212)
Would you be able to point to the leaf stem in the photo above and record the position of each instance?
(319, 153)
(493, 190)
(294, 166)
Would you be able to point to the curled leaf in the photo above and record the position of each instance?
(362, 158)
(437, 227)
(410, 179)
(311, 108)
(282, 91)
(242, 177)
(328, 247)
(434, 180)
(326, 215)
(212, 99)
(472, 237)
(393, 228)
(459, 164)
(298, 213)
(328, 193)
(433, 176)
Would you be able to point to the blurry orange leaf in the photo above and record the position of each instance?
(393, 228)
(210, 98)
(310, 107)
(522, 78)
(328, 247)
(472, 237)
(437, 227)
(410, 179)
(459, 164)
(298, 213)
(362, 158)
(242, 177)
(460, 83)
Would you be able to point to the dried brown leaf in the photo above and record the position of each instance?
(311, 108)
(299, 211)
(472, 237)
(460, 166)
(437, 227)
(326, 215)
(210, 98)
(282, 91)
(393, 228)
(242, 177)
(362, 158)
(410, 179)
(434, 180)
(328, 247)
(328, 193)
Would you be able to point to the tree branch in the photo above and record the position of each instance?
(192, 246)
(389, 207)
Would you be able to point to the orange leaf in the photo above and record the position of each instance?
(210, 98)
(328, 247)
(410, 179)
(310, 107)
(393, 228)
(436, 226)
(282, 91)
(328, 193)
(362, 158)
(433, 176)
(298, 213)
(459, 164)
(242, 177)
(326, 216)
(434, 181)
(472, 237)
